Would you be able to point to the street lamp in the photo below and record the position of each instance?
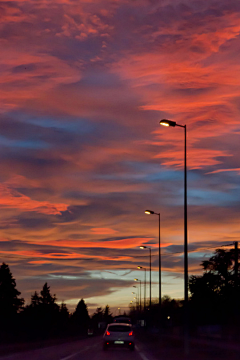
(137, 295)
(166, 122)
(150, 212)
(140, 267)
(150, 273)
(140, 294)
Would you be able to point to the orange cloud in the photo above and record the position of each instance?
(112, 244)
(32, 68)
(197, 158)
(59, 256)
(225, 170)
(103, 231)
(10, 198)
(39, 262)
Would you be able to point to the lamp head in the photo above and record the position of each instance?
(143, 247)
(135, 279)
(149, 212)
(139, 267)
(166, 122)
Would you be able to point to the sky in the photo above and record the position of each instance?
(83, 86)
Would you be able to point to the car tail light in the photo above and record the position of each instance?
(107, 333)
(131, 333)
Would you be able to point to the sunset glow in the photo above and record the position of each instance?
(83, 87)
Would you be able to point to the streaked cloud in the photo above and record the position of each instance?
(83, 86)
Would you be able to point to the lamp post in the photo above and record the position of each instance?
(166, 122)
(137, 295)
(144, 297)
(150, 212)
(140, 303)
(150, 273)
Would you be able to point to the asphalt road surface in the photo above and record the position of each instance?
(148, 347)
(85, 349)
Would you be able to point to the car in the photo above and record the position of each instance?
(118, 335)
(122, 319)
(90, 332)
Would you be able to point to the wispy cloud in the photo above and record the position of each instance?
(83, 86)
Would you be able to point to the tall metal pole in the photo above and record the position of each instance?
(236, 297)
(186, 322)
(145, 289)
(167, 122)
(140, 296)
(236, 265)
(137, 294)
(159, 262)
(150, 290)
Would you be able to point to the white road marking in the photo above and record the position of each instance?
(79, 352)
(70, 356)
(141, 354)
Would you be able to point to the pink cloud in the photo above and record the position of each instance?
(10, 198)
(196, 159)
(103, 231)
(116, 66)
(38, 72)
(237, 170)
(112, 244)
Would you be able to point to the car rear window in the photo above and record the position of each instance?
(119, 328)
(125, 321)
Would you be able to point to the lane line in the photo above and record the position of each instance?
(69, 356)
(72, 355)
(141, 354)
(79, 352)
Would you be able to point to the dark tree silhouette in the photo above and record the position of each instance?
(42, 315)
(96, 319)
(46, 298)
(63, 319)
(35, 300)
(80, 317)
(214, 293)
(98, 314)
(10, 303)
(64, 310)
(107, 316)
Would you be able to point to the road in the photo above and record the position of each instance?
(87, 349)
(148, 347)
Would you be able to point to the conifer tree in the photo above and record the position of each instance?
(10, 303)
(81, 317)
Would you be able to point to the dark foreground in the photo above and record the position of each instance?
(148, 347)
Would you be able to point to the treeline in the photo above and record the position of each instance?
(43, 318)
(214, 297)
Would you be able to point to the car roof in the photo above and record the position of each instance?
(116, 324)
